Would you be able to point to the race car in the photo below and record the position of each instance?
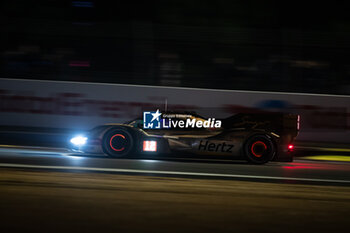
(257, 138)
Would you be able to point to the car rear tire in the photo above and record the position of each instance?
(259, 149)
(119, 142)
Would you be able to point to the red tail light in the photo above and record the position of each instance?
(290, 147)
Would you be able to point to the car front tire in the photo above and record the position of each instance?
(119, 142)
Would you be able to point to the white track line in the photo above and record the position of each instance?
(177, 88)
(96, 169)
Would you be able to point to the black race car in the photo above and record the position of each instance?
(258, 138)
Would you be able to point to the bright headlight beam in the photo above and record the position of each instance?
(79, 140)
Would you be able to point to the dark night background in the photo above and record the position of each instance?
(240, 45)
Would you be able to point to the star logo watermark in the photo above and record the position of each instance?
(151, 120)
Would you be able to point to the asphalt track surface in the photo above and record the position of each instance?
(52, 190)
(299, 171)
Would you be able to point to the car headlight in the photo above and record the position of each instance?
(79, 140)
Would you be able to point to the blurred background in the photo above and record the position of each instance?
(240, 45)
